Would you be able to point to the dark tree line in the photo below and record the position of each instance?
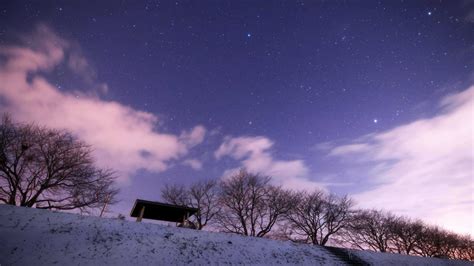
(248, 204)
(50, 169)
(381, 231)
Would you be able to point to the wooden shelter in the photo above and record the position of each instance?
(144, 209)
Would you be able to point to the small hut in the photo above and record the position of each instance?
(144, 209)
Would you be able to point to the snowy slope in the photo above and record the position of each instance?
(40, 237)
(378, 258)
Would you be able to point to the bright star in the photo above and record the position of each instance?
(429, 13)
(249, 35)
(376, 121)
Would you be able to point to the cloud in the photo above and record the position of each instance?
(123, 138)
(194, 137)
(350, 148)
(422, 169)
(193, 163)
(254, 154)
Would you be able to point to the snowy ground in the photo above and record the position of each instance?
(378, 258)
(40, 237)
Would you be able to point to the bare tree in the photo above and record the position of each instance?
(437, 242)
(50, 169)
(406, 234)
(417, 238)
(250, 205)
(465, 248)
(381, 231)
(176, 194)
(102, 208)
(370, 229)
(106, 205)
(317, 216)
(202, 195)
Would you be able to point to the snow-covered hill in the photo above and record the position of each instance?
(40, 237)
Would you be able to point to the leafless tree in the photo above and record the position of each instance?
(437, 242)
(250, 205)
(370, 229)
(406, 234)
(176, 194)
(102, 208)
(465, 248)
(50, 169)
(202, 195)
(317, 216)
(105, 205)
(385, 232)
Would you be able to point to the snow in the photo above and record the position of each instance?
(378, 258)
(41, 237)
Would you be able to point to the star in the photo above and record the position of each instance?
(376, 121)
(429, 13)
(249, 35)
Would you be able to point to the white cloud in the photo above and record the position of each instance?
(193, 163)
(425, 168)
(350, 148)
(254, 155)
(123, 138)
(194, 137)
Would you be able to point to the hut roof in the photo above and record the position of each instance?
(161, 211)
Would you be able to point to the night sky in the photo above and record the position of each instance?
(352, 97)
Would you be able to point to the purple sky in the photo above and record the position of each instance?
(373, 99)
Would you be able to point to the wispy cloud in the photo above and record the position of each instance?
(423, 169)
(123, 138)
(254, 154)
(350, 148)
(193, 163)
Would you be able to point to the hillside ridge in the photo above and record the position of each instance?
(41, 237)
